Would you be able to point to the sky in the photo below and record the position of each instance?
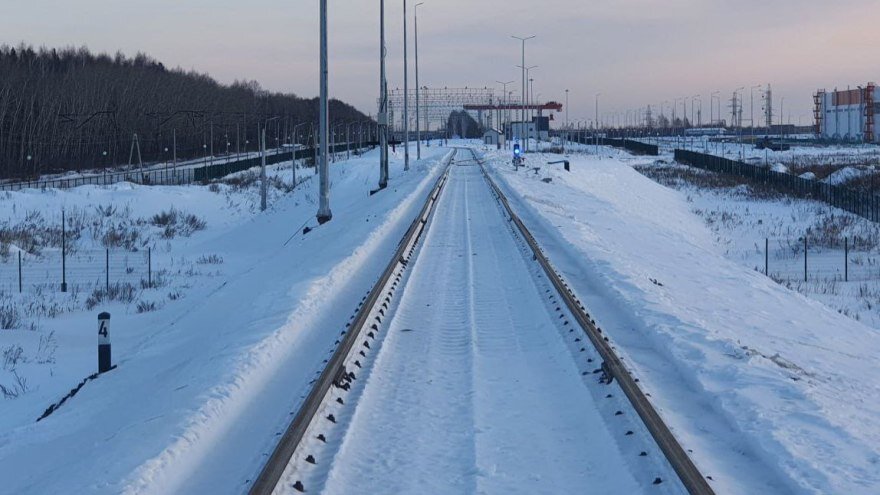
(634, 52)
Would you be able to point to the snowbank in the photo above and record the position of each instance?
(844, 175)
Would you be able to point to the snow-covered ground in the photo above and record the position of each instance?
(771, 391)
(745, 221)
(249, 308)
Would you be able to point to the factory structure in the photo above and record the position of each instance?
(847, 115)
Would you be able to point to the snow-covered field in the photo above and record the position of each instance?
(773, 392)
(240, 326)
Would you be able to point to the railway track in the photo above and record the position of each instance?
(466, 369)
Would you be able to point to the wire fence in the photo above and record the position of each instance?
(79, 271)
(790, 259)
(181, 174)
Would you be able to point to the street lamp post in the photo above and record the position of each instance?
(418, 120)
(523, 66)
(324, 215)
(527, 101)
(596, 134)
(382, 117)
(505, 101)
(405, 95)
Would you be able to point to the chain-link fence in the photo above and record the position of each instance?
(83, 270)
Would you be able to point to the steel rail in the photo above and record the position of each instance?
(690, 476)
(273, 470)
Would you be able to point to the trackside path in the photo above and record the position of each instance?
(476, 388)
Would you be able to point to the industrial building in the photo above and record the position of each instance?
(847, 115)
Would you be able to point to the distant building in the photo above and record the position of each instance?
(538, 128)
(493, 137)
(847, 115)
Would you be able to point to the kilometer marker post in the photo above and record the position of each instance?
(104, 359)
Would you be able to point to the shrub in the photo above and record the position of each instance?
(120, 292)
(10, 318)
(146, 307)
(19, 386)
(211, 259)
(165, 218)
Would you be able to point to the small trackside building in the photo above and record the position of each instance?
(493, 137)
(847, 115)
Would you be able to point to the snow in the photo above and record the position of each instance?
(771, 391)
(778, 167)
(478, 386)
(223, 365)
(844, 175)
(752, 377)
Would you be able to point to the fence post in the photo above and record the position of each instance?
(805, 257)
(107, 270)
(767, 256)
(19, 272)
(149, 268)
(846, 259)
(63, 253)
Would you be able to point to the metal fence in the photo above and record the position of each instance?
(78, 271)
(856, 202)
(790, 259)
(182, 174)
(633, 146)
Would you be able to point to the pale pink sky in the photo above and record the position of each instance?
(635, 52)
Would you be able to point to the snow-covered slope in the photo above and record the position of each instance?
(773, 392)
(203, 385)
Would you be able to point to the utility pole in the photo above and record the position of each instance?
(324, 214)
(418, 88)
(382, 118)
(524, 93)
(752, 106)
(405, 96)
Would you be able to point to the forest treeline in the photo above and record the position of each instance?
(69, 109)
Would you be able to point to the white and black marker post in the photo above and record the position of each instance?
(103, 342)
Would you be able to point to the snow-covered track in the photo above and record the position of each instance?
(692, 479)
(335, 373)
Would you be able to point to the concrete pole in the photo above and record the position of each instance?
(405, 96)
(418, 88)
(382, 118)
(523, 88)
(324, 214)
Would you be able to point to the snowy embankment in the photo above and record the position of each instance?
(762, 229)
(771, 391)
(204, 383)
